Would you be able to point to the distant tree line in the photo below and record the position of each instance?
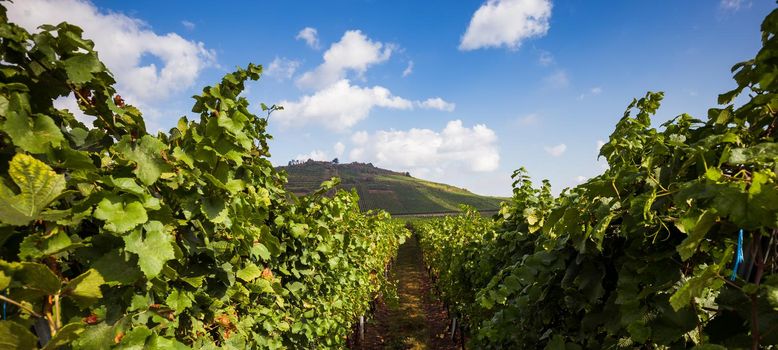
(309, 160)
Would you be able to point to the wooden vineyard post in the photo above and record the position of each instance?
(453, 328)
(361, 329)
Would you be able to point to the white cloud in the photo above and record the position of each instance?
(437, 103)
(339, 106)
(356, 153)
(528, 120)
(360, 137)
(339, 148)
(507, 23)
(310, 36)
(557, 80)
(315, 155)
(734, 5)
(69, 103)
(282, 68)
(556, 151)
(188, 25)
(580, 178)
(335, 102)
(545, 58)
(428, 152)
(354, 52)
(122, 42)
(408, 70)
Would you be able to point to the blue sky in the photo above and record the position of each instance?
(461, 92)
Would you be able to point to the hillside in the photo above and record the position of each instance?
(397, 193)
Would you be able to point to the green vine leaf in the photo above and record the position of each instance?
(135, 339)
(16, 336)
(5, 280)
(147, 156)
(179, 300)
(157, 342)
(39, 245)
(65, 335)
(80, 67)
(696, 227)
(97, 337)
(120, 216)
(215, 209)
(39, 185)
(85, 289)
(34, 133)
(37, 277)
(249, 273)
(151, 260)
(118, 268)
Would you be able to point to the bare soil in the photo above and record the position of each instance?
(417, 318)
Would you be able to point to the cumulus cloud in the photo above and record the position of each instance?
(335, 101)
(316, 154)
(428, 152)
(282, 68)
(360, 137)
(310, 36)
(557, 80)
(339, 148)
(188, 25)
(123, 42)
(408, 70)
(437, 103)
(556, 151)
(339, 106)
(355, 52)
(506, 23)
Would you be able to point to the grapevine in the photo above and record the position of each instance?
(643, 255)
(112, 237)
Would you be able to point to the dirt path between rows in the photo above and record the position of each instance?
(417, 320)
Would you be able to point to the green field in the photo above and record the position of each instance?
(394, 192)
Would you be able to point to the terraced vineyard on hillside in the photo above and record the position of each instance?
(397, 193)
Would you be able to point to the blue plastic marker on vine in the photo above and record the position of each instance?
(739, 255)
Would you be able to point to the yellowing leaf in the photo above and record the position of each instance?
(249, 273)
(39, 186)
(85, 289)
